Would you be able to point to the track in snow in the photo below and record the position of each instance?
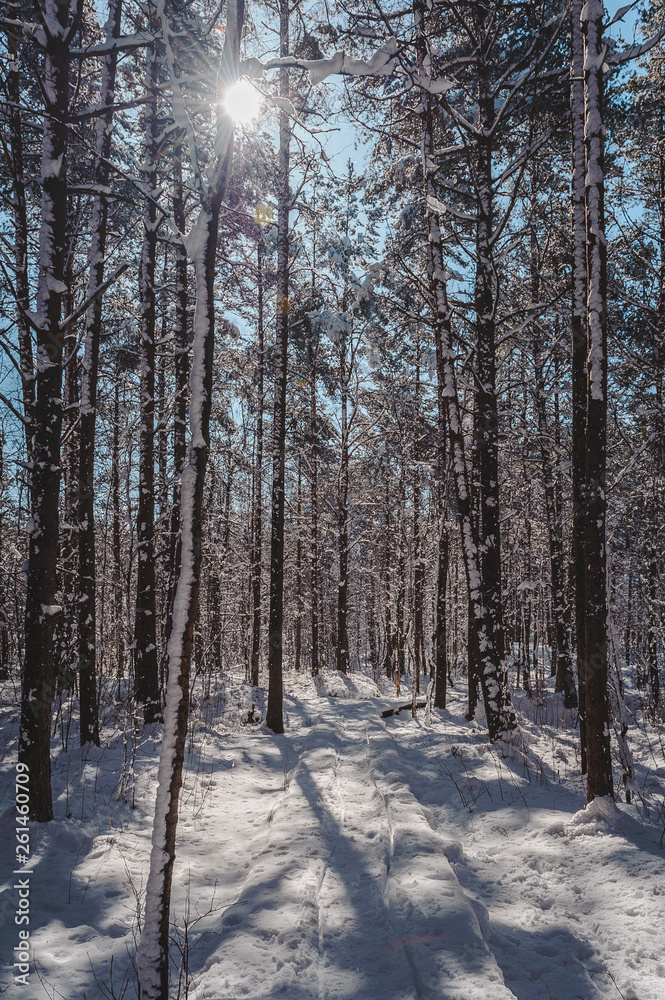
(349, 893)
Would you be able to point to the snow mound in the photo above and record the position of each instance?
(599, 816)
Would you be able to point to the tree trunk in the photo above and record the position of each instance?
(257, 513)
(145, 629)
(441, 632)
(46, 423)
(389, 658)
(343, 519)
(119, 625)
(561, 660)
(298, 568)
(493, 673)
(314, 513)
(486, 425)
(87, 602)
(599, 762)
(274, 715)
(12, 116)
(579, 351)
(181, 366)
(418, 562)
(153, 954)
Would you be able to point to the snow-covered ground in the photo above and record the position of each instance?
(353, 857)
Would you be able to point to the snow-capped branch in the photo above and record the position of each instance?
(635, 51)
(381, 63)
(127, 43)
(29, 29)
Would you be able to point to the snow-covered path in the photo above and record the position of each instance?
(352, 858)
(351, 893)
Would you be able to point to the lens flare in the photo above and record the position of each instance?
(243, 102)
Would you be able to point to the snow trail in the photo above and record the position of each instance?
(352, 858)
(351, 894)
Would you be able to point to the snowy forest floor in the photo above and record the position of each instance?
(353, 857)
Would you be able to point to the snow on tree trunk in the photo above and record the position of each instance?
(599, 762)
(153, 953)
(87, 626)
(46, 423)
(181, 366)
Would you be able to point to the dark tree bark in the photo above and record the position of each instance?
(46, 420)
(298, 569)
(493, 673)
(87, 602)
(389, 660)
(4, 620)
(145, 629)
(119, 625)
(579, 352)
(441, 618)
(314, 511)
(342, 652)
(274, 715)
(561, 660)
(418, 562)
(11, 115)
(257, 513)
(486, 425)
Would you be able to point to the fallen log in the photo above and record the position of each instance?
(400, 708)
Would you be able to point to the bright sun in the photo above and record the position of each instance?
(243, 102)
